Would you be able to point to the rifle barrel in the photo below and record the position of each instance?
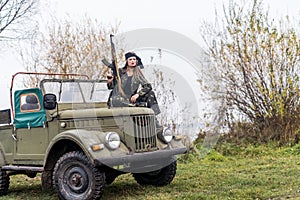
(114, 57)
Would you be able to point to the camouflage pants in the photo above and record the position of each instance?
(149, 100)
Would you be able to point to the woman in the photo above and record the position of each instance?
(137, 89)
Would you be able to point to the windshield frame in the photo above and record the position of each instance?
(83, 93)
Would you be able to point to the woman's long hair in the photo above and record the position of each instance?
(138, 75)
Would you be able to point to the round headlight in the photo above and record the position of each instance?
(112, 140)
(63, 124)
(167, 134)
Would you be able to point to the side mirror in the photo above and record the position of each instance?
(50, 101)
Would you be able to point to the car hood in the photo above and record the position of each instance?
(103, 112)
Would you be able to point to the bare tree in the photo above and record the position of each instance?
(72, 47)
(258, 69)
(16, 18)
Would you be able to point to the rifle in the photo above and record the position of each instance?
(114, 66)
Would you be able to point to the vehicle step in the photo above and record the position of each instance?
(22, 168)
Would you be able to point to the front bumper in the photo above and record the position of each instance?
(141, 162)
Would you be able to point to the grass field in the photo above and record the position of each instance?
(235, 173)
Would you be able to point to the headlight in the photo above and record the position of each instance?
(112, 140)
(167, 134)
(63, 124)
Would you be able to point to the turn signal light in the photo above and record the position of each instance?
(97, 147)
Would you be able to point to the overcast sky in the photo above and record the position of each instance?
(183, 17)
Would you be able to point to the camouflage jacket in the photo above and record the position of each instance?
(137, 87)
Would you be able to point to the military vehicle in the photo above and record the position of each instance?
(63, 130)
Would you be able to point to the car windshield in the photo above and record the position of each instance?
(76, 91)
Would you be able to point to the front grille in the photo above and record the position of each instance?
(137, 132)
(144, 133)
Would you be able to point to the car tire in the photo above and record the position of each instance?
(110, 179)
(159, 177)
(74, 177)
(4, 182)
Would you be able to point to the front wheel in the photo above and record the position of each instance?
(75, 177)
(159, 177)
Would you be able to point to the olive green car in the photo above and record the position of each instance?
(64, 130)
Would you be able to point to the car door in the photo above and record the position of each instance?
(30, 130)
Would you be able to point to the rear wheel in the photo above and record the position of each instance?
(75, 177)
(4, 182)
(159, 177)
(110, 179)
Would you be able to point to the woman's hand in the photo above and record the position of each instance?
(134, 98)
(110, 78)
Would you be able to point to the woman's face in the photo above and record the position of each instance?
(131, 61)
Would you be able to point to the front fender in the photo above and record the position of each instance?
(85, 139)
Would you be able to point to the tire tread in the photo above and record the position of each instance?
(99, 176)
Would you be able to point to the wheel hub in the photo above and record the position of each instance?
(76, 180)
